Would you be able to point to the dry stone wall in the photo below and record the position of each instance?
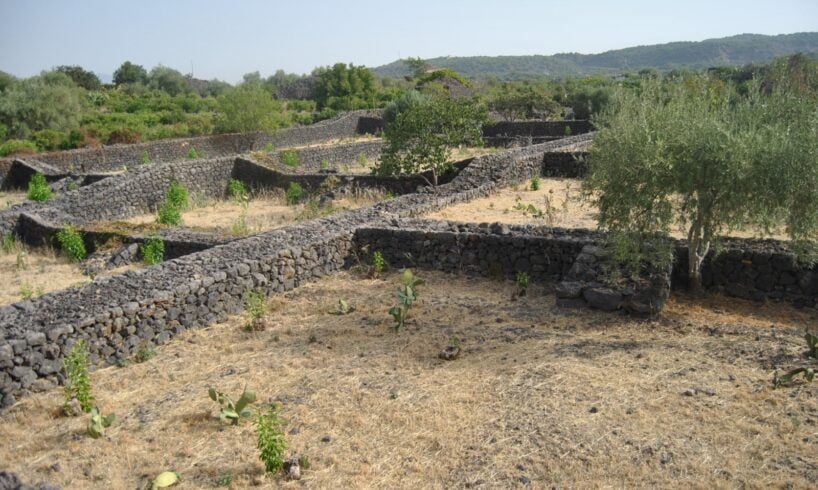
(118, 315)
(114, 157)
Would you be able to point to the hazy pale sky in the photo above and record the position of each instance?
(225, 39)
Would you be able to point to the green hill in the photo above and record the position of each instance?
(727, 51)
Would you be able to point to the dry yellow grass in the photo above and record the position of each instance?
(10, 198)
(37, 271)
(264, 213)
(555, 397)
(558, 202)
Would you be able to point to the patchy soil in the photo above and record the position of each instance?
(264, 213)
(539, 396)
(367, 165)
(31, 272)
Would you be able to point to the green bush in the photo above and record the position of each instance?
(193, 154)
(238, 190)
(14, 147)
(271, 442)
(169, 214)
(72, 243)
(295, 193)
(178, 195)
(290, 158)
(153, 251)
(38, 189)
(535, 183)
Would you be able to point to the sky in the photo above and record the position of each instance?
(226, 39)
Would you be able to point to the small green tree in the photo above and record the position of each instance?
(271, 442)
(696, 154)
(422, 138)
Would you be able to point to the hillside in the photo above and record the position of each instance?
(727, 51)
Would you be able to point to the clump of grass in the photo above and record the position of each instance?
(193, 154)
(146, 158)
(145, 353)
(361, 160)
(271, 442)
(535, 183)
(77, 380)
(290, 158)
(295, 193)
(72, 243)
(38, 189)
(10, 244)
(153, 251)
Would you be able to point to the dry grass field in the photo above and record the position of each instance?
(265, 212)
(31, 272)
(558, 202)
(540, 396)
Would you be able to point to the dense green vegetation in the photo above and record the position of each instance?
(729, 51)
(68, 108)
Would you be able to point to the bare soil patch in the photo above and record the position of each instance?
(539, 395)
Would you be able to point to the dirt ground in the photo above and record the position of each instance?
(365, 166)
(33, 272)
(10, 198)
(558, 202)
(540, 396)
(263, 213)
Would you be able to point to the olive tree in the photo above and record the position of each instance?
(422, 137)
(694, 154)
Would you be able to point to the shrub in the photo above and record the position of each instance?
(294, 193)
(568, 131)
(169, 214)
(290, 158)
(271, 441)
(361, 160)
(72, 243)
(193, 154)
(17, 147)
(238, 190)
(77, 381)
(146, 158)
(123, 136)
(178, 195)
(153, 251)
(38, 189)
(535, 183)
